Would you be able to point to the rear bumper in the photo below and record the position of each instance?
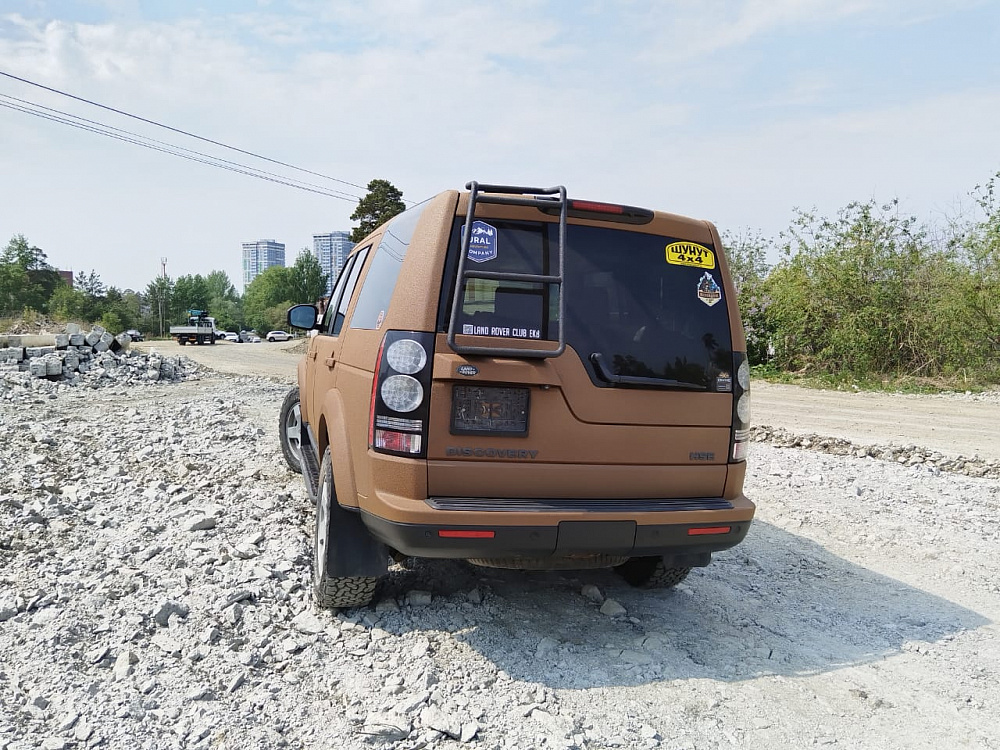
(686, 544)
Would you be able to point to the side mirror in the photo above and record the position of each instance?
(303, 316)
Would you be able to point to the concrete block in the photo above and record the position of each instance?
(72, 328)
(26, 340)
(53, 365)
(92, 338)
(37, 368)
(77, 339)
(62, 340)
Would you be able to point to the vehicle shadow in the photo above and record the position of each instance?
(779, 604)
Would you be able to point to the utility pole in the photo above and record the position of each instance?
(162, 285)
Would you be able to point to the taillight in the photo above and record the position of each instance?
(400, 400)
(740, 443)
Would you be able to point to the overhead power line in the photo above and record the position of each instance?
(176, 151)
(82, 123)
(177, 130)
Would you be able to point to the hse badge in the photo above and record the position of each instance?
(690, 254)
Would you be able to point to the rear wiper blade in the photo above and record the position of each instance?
(605, 374)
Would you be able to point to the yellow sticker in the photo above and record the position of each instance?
(690, 254)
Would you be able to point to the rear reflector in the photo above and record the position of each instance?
(463, 534)
(709, 530)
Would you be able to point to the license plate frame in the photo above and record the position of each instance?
(500, 411)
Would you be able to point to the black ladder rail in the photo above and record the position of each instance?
(509, 195)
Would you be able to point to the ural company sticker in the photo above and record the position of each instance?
(724, 382)
(690, 254)
(708, 291)
(482, 242)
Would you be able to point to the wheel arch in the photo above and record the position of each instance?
(332, 433)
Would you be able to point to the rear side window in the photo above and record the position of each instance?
(650, 306)
(380, 283)
(340, 299)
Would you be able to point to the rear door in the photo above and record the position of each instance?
(639, 404)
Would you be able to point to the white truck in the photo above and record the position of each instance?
(200, 329)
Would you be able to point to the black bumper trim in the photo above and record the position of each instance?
(578, 505)
(566, 539)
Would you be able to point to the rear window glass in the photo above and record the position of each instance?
(650, 306)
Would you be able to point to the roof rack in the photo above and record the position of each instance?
(510, 195)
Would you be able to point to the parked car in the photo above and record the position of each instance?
(134, 334)
(253, 339)
(522, 380)
(273, 336)
(230, 336)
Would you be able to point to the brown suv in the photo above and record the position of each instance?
(523, 380)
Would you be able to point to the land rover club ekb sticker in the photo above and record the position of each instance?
(482, 242)
(708, 291)
(690, 254)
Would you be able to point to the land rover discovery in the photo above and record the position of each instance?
(523, 380)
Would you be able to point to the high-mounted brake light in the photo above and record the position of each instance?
(601, 208)
(579, 209)
(400, 394)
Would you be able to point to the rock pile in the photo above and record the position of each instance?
(33, 363)
(908, 455)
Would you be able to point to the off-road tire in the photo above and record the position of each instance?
(330, 591)
(651, 573)
(289, 419)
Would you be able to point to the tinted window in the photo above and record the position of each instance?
(646, 312)
(345, 298)
(373, 301)
(338, 289)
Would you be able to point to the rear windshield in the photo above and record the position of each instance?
(651, 308)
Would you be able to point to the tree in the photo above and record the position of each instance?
(189, 293)
(308, 279)
(746, 253)
(27, 281)
(159, 293)
(382, 202)
(274, 288)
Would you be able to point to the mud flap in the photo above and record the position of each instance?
(352, 551)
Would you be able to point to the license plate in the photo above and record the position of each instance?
(477, 410)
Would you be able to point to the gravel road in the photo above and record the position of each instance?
(154, 566)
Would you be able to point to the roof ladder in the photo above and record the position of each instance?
(509, 195)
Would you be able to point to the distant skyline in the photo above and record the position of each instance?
(736, 111)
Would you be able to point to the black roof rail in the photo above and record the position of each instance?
(510, 195)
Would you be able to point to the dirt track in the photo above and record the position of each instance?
(860, 612)
(952, 424)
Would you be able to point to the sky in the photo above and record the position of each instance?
(736, 111)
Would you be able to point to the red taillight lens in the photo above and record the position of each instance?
(397, 442)
(401, 387)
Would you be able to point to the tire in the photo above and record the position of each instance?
(270, 340)
(290, 430)
(330, 591)
(651, 573)
(182, 342)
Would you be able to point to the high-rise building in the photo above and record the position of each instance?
(332, 250)
(259, 256)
